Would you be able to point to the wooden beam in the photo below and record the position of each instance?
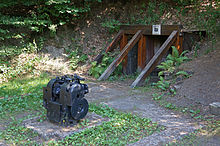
(123, 43)
(141, 52)
(165, 29)
(116, 39)
(144, 52)
(110, 47)
(153, 62)
(121, 56)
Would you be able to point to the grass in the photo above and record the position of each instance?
(21, 95)
(23, 85)
(22, 98)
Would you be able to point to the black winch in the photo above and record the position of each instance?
(64, 99)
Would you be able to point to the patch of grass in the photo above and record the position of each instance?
(16, 134)
(23, 85)
(122, 128)
(22, 95)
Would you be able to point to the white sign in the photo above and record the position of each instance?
(156, 29)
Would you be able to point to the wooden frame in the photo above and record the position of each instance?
(121, 56)
(153, 62)
(146, 60)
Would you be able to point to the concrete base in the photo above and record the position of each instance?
(48, 130)
(215, 108)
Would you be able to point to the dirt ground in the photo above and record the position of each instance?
(203, 87)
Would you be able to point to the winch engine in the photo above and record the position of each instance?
(64, 99)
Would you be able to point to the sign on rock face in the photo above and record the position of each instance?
(156, 29)
(64, 99)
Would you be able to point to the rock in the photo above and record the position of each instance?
(178, 79)
(177, 87)
(167, 76)
(215, 108)
(190, 72)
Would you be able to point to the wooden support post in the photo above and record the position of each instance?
(156, 58)
(110, 47)
(121, 56)
(116, 39)
(141, 53)
(123, 43)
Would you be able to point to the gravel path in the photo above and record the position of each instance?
(125, 99)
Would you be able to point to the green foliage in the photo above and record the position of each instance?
(185, 2)
(22, 65)
(207, 18)
(152, 13)
(172, 61)
(22, 94)
(170, 106)
(19, 135)
(162, 84)
(97, 69)
(19, 19)
(166, 67)
(76, 57)
(194, 112)
(157, 96)
(169, 67)
(182, 73)
(112, 25)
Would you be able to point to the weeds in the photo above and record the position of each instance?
(22, 65)
(112, 25)
(97, 69)
(169, 67)
(76, 57)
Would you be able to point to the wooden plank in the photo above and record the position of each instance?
(153, 62)
(141, 52)
(110, 47)
(143, 27)
(165, 29)
(144, 50)
(150, 48)
(121, 56)
(116, 39)
(140, 45)
(123, 43)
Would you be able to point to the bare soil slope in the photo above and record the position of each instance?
(203, 87)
